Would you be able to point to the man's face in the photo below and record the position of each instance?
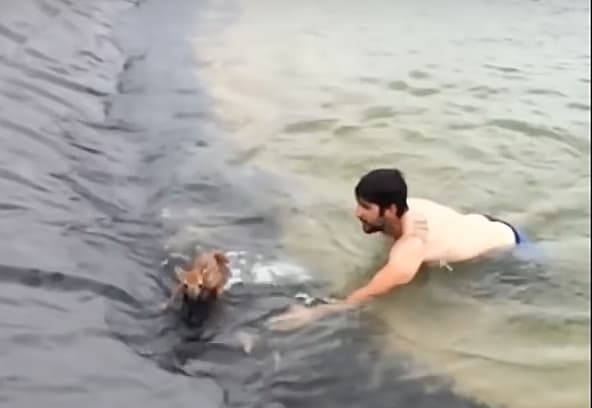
(369, 215)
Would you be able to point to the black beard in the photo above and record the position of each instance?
(372, 228)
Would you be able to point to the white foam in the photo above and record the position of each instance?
(254, 268)
(246, 267)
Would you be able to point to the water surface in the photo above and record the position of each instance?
(486, 107)
(114, 167)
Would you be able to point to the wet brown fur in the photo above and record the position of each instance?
(208, 274)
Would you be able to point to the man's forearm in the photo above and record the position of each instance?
(324, 310)
(361, 295)
(353, 300)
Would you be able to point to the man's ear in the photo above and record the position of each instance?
(390, 211)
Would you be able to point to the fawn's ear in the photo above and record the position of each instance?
(220, 257)
(179, 273)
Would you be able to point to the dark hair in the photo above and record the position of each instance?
(384, 187)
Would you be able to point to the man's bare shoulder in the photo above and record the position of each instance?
(428, 206)
(409, 245)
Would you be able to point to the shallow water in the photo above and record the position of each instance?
(485, 107)
(113, 169)
(132, 132)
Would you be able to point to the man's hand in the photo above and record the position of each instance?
(296, 317)
(299, 315)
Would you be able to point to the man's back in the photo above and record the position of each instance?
(453, 236)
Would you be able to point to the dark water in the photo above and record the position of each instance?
(104, 130)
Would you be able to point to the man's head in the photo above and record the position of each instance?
(382, 197)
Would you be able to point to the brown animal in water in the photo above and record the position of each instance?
(205, 280)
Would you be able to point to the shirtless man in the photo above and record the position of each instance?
(424, 232)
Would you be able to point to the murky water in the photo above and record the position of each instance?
(132, 132)
(485, 106)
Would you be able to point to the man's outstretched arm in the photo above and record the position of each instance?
(404, 262)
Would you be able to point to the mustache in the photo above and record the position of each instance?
(372, 227)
